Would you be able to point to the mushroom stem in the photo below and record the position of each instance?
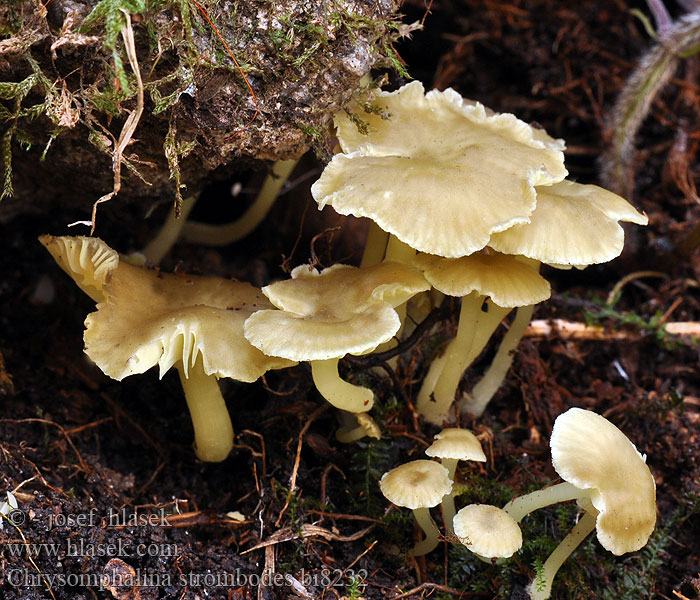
(432, 533)
(448, 501)
(340, 393)
(356, 427)
(540, 588)
(523, 505)
(375, 246)
(223, 235)
(478, 319)
(213, 432)
(484, 390)
(169, 233)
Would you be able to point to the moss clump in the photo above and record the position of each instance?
(65, 78)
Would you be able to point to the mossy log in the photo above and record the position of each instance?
(67, 87)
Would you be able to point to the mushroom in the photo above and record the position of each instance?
(609, 478)
(418, 485)
(490, 285)
(451, 446)
(439, 172)
(146, 318)
(488, 531)
(325, 315)
(573, 225)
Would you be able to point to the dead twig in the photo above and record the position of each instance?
(287, 534)
(569, 330)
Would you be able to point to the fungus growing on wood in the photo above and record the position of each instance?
(451, 446)
(439, 172)
(490, 285)
(325, 315)
(146, 318)
(488, 531)
(418, 485)
(608, 477)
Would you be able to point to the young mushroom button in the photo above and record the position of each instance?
(488, 531)
(418, 485)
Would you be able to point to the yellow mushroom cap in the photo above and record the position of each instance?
(338, 311)
(150, 318)
(508, 281)
(592, 454)
(309, 290)
(573, 224)
(488, 531)
(87, 260)
(439, 172)
(457, 443)
(417, 484)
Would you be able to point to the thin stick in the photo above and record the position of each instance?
(568, 330)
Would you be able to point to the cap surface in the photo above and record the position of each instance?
(87, 260)
(508, 281)
(417, 484)
(488, 531)
(457, 443)
(573, 224)
(439, 172)
(150, 318)
(340, 310)
(591, 453)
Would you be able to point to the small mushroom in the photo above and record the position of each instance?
(451, 446)
(488, 531)
(490, 285)
(609, 478)
(146, 318)
(324, 316)
(418, 485)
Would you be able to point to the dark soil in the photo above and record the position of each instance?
(104, 471)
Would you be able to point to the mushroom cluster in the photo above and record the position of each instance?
(423, 484)
(482, 197)
(602, 471)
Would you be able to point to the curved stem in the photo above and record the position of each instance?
(222, 235)
(363, 426)
(493, 378)
(169, 233)
(340, 393)
(213, 432)
(448, 501)
(478, 319)
(375, 246)
(541, 587)
(522, 506)
(432, 533)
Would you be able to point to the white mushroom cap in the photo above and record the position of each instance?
(150, 318)
(509, 282)
(417, 484)
(573, 224)
(439, 172)
(488, 531)
(592, 454)
(87, 260)
(460, 444)
(327, 315)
